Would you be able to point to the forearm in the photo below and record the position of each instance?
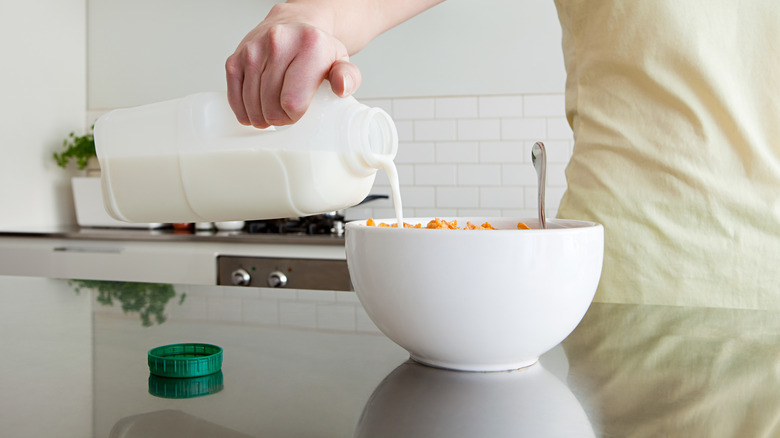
(354, 22)
(278, 66)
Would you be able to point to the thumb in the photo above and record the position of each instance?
(344, 78)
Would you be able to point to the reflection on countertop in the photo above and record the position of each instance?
(655, 371)
(310, 363)
(420, 401)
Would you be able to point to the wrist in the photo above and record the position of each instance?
(318, 14)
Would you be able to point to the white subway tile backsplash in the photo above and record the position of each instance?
(436, 212)
(435, 174)
(456, 107)
(389, 213)
(470, 155)
(457, 197)
(435, 130)
(479, 129)
(478, 212)
(414, 108)
(418, 196)
(457, 152)
(413, 153)
(556, 174)
(501, 106)
(385, 104)
(521, 213)
(502, 197)
(558, 128)
(544, 105)
(518, 175)
(524, 129)
(358, 213)
(501, 152)
(479, 174)
(405, 130)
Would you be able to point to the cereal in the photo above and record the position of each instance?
(440, 224)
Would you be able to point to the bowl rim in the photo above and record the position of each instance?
(560, 225)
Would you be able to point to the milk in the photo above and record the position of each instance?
(395, 188)
(189, 160)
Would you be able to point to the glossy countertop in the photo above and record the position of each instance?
(168, 234)
(311, 364)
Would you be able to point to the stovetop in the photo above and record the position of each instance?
(323, 224)
(293, 237)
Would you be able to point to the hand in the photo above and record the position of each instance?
(278, 66)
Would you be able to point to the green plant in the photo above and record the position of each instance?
(146, 299)
(79, 148)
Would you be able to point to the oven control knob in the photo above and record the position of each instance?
(277, 279)
(241, 277)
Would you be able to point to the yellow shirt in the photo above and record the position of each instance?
(675, 108)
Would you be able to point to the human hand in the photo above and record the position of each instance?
(278, 66)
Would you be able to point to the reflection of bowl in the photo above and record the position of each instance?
(418, 401)
(476, 300)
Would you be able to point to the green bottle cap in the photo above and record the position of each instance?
(185, 360)
(174, 387)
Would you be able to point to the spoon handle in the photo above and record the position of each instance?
(539, 160)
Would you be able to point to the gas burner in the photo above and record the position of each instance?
(330, 223)
(318, 224)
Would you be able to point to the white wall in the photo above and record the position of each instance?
(468, 47)
(144, 51)
(42, 98)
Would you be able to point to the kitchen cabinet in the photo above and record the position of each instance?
(146, 255)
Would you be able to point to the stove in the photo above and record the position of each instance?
(293, 273)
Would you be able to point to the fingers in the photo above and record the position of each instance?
(344, 78)
(274, 73)
(235, 81)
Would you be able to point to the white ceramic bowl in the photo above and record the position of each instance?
(476, 300)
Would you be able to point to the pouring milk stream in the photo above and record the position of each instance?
(189, 160)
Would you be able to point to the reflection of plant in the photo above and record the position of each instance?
(147, 299)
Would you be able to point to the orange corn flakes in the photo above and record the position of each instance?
(440, 224)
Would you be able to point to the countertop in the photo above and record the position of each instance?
(311, 364)
(170, 235)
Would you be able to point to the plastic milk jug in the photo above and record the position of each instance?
(189, 160)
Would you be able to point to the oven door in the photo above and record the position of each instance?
(290, 273)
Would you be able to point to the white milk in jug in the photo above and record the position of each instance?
(189, 160)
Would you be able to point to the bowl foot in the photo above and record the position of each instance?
(477, 367)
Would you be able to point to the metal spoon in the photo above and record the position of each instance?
(539, 160)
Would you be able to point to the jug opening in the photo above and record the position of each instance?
(379, 137)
